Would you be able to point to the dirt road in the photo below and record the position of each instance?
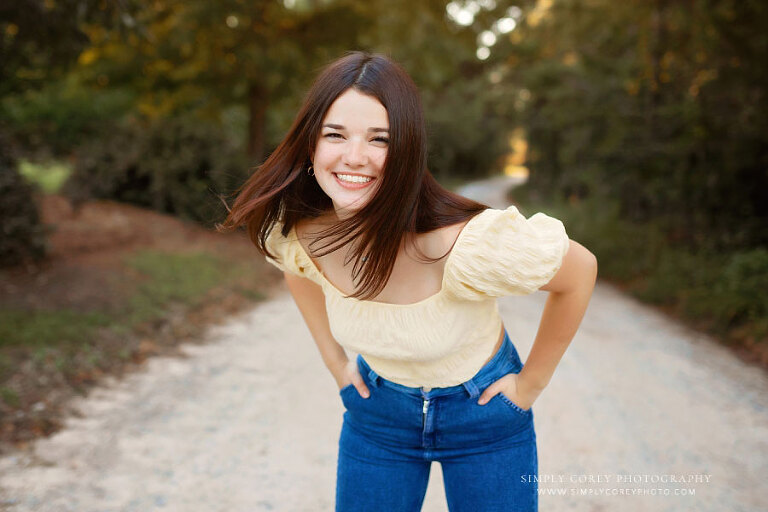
(640, 413)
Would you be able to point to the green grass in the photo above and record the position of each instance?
(168, 277)
(248, 293)
(42, 328)
(171, 277)
(50, 176)
(64, 348)
(6, 365)
(9, 396)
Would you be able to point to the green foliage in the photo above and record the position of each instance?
(682, 277)
(49, 177)
(624, 249)
(176, 166)
(728, 291)
(22, 236)
(723, 290)
(466, 138)
(39, 40)
(742, 289)
(655, 104)
(62, 114)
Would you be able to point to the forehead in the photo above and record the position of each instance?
(354, 109)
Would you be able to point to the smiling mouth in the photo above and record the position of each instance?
(353, 178)
(353, 181)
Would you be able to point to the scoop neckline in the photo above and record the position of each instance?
(342, 295)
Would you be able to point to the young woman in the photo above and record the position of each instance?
(384, 262)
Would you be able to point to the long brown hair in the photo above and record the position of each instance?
(408, 200)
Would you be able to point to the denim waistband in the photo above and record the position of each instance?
(504, 361)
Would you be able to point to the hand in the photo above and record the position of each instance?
(513, 386)
(351, 375)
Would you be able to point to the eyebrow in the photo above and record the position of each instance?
(340, 127)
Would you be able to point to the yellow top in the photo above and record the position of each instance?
(446, 338)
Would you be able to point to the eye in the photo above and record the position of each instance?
(332, 134)
(382, 139)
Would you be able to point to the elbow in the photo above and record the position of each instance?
(592, 262)
(588, 265)
(578, 272)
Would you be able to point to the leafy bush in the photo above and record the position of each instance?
(741, 290)
(48, 176)
(175, 166)
(624, 249)
(53, 120)
(22, 236)
(724, 291)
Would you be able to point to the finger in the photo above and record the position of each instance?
(361, 387)
(489, 393)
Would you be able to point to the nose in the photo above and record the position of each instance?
(355, 154)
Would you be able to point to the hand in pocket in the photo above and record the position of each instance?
(352, 376)
(515, 388)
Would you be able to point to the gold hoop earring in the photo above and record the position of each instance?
(310, 171)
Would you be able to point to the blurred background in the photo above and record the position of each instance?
(641, 124)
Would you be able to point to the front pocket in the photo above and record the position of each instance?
(348, 386)
(512, 404)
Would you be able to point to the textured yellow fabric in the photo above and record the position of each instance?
(444, 339)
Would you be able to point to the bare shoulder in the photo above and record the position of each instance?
(440, 242)
(453, 232)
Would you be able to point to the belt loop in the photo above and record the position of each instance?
(471, 388)
(373, 377)
(365, 369)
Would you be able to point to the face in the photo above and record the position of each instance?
(351, 150)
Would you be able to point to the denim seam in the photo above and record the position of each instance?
(512, 404)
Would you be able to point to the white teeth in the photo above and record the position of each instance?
(354, 179)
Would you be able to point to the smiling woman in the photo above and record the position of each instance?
(349, 156)
(354, 166)
(437, 377)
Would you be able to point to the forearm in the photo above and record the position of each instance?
(310, 300)
(560, 320)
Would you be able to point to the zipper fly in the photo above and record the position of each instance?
(424, 415)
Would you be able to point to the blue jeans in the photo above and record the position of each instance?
(389, 440)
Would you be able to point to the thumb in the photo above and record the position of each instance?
(489, 393)
(357, 380)
(362, 388)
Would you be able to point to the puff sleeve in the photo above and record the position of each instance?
(500, 252)
(290, 255)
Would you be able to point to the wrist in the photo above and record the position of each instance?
(532, 382)
(336, 367)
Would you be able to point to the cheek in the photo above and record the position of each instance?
(320, 156)
(380, 159)
(326, 153)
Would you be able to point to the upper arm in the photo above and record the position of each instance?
(303, 288)
(579, 268)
